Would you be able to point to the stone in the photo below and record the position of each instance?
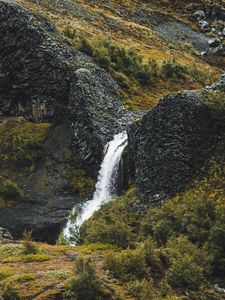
(34, 67)
(5, 234)
(204, 25)
(214, 42)
(199, 15)
(98, 112)
(166, 146)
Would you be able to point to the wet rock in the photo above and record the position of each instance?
(167, 145)
(199, 15)
(98, 112)
(214, 42)
(219, 50)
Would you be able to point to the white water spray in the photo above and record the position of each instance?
(106, 183)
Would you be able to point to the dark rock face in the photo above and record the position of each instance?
(98, 113)
(44, 216)
(39, 80)
(34, 65)
(167, 145)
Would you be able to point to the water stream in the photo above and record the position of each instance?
(106, 184)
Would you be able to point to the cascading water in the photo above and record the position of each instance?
(106, 183)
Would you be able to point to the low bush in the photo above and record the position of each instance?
(188, 264)
(172, 69)
(69, 32)
(87, 286)
(10, 293)
(127, 265)
(9, 190)
(215, 101)
(142, 290)
(116, 223)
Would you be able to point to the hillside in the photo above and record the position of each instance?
(136, 25)
(112, 118)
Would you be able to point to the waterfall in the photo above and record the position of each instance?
(106, 184)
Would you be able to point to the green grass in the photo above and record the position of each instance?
(27, 258)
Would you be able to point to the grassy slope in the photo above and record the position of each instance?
(95, 21)
(48, 273)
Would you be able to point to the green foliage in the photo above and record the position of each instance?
(152, 257)
(116, 223)
(142, 290)
(122, 80)
(127, 265)
(9, 190)
(29, 248)
(215, 101)
(79, 182)
(10, 293)
(62, 240)
(112, 57)
(192, 214)
(21, 142)
(199, 75)
(174, 70)
(87, 286)
(187, 264)
(27, 235)
(69, 32)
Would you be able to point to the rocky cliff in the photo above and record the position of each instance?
(167, 146)
(44, 79)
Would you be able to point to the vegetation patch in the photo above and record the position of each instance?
(21, 142)
(10, 190)
(27, 258)
(79, 182)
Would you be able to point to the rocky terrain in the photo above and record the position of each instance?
(73, 73)
(40, 81)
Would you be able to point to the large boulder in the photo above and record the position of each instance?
(166, 147)
(34, 64)
(5, 235)
(98, 113)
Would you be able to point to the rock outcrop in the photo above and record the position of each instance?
(34, 65)
(167, 145)
(5, 235)
(98, 113)
(41, 81)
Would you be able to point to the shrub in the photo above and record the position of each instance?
(128, 265)
(188, 264)
(69, 32)
(185, 273)
(10, 293)
(87, 286)
(9, 190)
(142, 290)
(172, 69)
(86, 47)
(215, 101)
(152, 257)
(200, 76)
(80, 182)
(29, 248)
(114, 224)
(112, 57)
(122, 80)
(192, 214)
